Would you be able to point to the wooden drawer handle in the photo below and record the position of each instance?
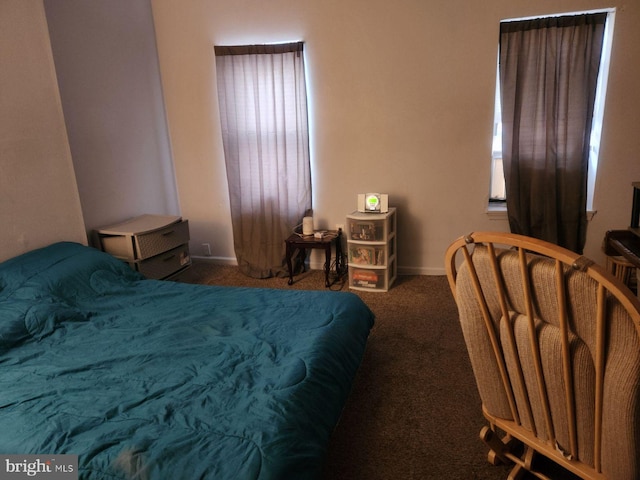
(168, 233)
(166, 259)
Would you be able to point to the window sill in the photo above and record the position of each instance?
(499, 212)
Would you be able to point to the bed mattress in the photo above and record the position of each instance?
(163, 380)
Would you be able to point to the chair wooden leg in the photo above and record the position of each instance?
(501, 451)
(498, 447)
(520, 469)
(527, 458)
(518, 472)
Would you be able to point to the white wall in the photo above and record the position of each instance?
(39, 201)
(401, 100)
(107, 67)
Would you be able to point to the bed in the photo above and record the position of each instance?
(164, 380)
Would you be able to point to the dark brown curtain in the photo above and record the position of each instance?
(548, 74)
(263, 113)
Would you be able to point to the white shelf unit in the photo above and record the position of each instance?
(371, 250)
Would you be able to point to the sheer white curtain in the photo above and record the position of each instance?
(263, 110)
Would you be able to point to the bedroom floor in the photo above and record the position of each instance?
(414, 412)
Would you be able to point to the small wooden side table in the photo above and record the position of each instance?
(304, 242)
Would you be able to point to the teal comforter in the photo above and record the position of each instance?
(161, 380)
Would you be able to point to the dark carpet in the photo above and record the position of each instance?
(414, 411)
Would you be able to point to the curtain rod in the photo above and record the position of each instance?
(222, 50)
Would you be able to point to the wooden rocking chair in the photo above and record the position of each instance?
(554, 343)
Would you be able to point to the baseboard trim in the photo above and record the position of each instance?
(216, 260)
(429, 271)
(319, 266)
(401, 270)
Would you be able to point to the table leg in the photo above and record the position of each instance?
(327, 263)
(339, 259)
(288, 255)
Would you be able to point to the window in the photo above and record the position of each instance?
(497, 193)
(263, 114)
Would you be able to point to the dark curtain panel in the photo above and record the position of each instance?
(548, 74)
(263, 113)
